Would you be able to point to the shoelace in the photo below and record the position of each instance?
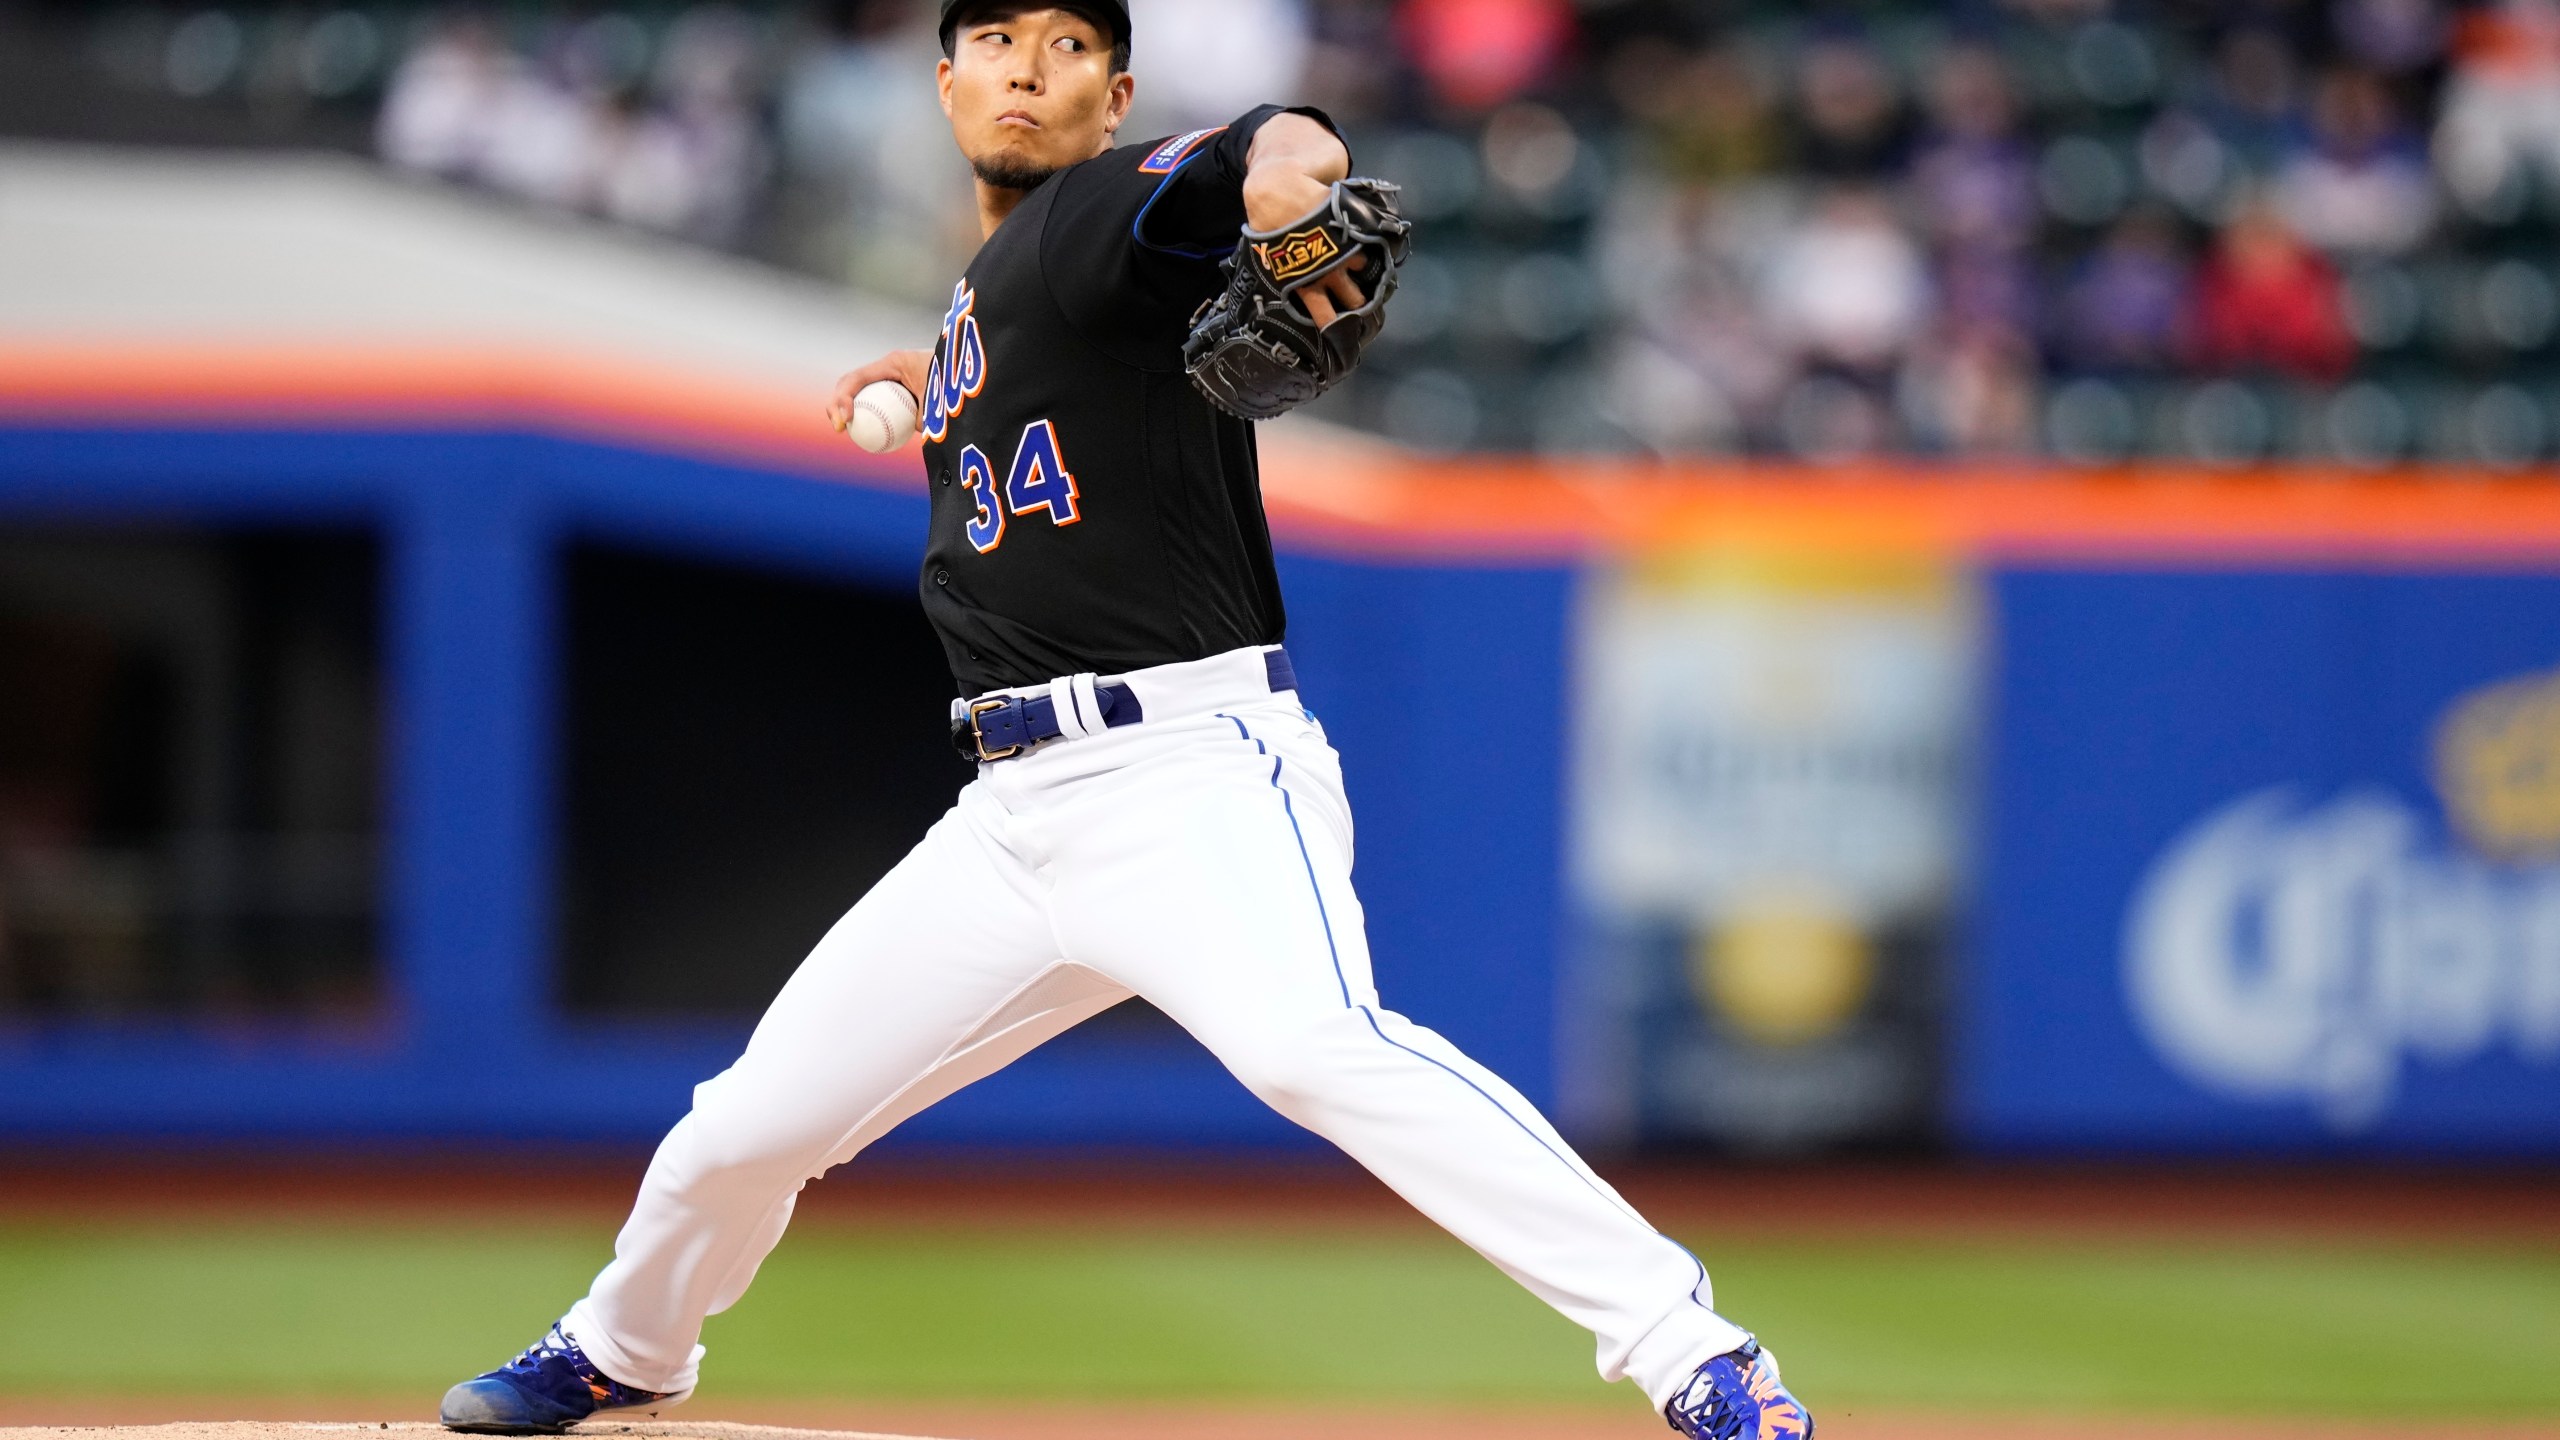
(1705, 1408)
(1711, 1418)
(552, 1343)
(603, 1388)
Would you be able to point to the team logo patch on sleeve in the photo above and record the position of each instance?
(1297, 253)
(1173, 152)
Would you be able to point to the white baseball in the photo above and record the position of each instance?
(884, 416)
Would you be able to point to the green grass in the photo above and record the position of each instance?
(2317, 1328)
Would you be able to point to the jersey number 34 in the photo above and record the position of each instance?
(1038, 479)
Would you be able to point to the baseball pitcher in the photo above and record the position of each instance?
(1156, 812)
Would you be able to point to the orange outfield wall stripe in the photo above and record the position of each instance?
(574, 393)
(1367, 500)
(2169, 514)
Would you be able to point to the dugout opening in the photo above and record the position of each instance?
(743, 754)
(190, 772)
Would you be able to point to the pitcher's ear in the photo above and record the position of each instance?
(1124, 89)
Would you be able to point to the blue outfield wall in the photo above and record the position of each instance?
(2266, 862)
(1458, 864)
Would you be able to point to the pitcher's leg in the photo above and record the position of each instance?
(944, 973)
(1223, 895)
(1471, 1152)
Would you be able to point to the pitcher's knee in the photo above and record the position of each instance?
(1296, 1070)
(735, 1140)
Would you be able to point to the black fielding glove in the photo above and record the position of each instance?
(1254, 351)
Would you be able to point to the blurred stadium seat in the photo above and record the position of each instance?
(2007, 199)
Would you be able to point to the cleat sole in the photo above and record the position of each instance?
(486, 1407)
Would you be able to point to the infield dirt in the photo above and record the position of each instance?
(1293, 1423)
(359, 1431)
(1828, 1200)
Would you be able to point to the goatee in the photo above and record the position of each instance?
(1011, 172)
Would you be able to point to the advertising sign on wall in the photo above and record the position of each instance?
(1766, 813)
(2271, 859)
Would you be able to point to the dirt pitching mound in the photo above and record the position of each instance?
(1251, 1423)
(323, 1431)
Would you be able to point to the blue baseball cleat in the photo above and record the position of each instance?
(1736, 1396)
(543, 1391)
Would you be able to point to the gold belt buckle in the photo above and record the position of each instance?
(981, 707)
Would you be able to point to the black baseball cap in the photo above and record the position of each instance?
(1114, 11)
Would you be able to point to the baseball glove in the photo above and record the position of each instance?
(1254, 350)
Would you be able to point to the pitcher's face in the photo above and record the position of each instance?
(1030, 92)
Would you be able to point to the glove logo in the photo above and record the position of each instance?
(1254, 352)
(1297, 253)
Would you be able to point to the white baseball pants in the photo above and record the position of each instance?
(1201, 859)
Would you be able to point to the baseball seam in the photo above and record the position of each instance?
(888, 427)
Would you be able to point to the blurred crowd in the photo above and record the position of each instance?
(2092, 229)
(2316, 229)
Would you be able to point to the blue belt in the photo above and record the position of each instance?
(999, 727)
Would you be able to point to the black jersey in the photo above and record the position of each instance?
(1091, 512)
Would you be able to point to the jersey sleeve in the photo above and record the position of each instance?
(1130, 240)
(1197, 206)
